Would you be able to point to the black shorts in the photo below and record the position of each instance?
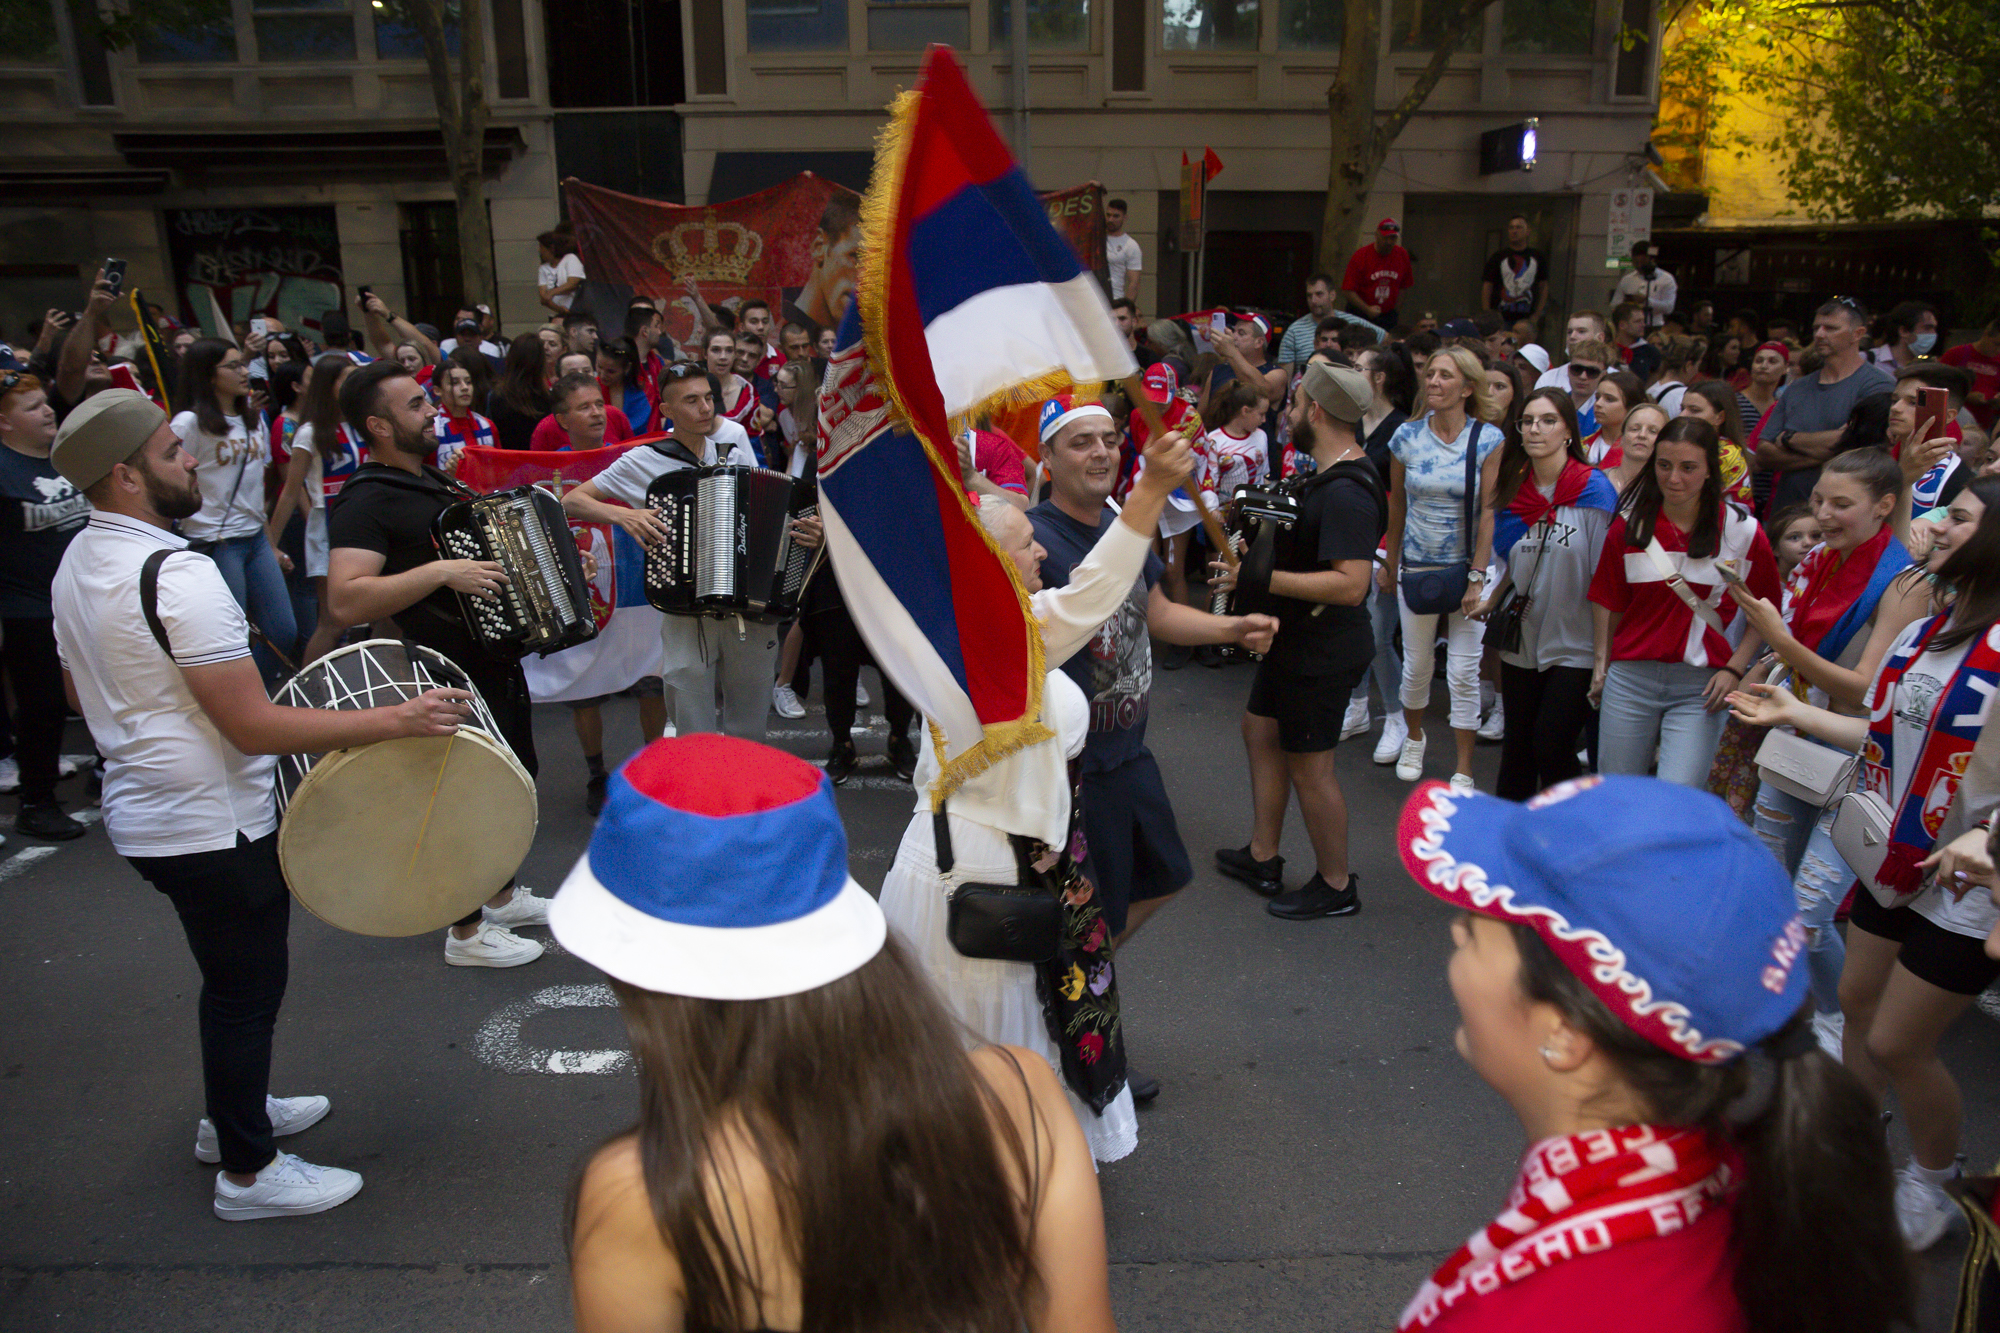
(1136, 851)
(1946, 959)
(1307, 709)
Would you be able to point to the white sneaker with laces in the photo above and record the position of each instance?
(785, 702)
(1461, 784)
(1356, 721)
(287, 1187)
(1828, 1028)
(288, 1115)
(524, 909)
(1923, 1210)
(1410, 760)
(1494, 728)
(860, 695)
(1395, 730)
(490, 946)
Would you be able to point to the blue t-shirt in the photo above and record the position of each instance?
(1115, 669)
(39, 513)
(1434, 487)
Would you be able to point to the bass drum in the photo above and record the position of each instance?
(405, 836)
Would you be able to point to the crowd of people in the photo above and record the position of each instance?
(1658, 565)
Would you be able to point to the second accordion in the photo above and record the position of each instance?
(545, 606)
(728, 549)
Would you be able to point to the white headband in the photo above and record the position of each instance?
(1077, 413)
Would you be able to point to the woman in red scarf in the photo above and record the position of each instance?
(1551, 513)
(1627, 976)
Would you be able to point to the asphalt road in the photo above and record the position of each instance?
(1318, 1147)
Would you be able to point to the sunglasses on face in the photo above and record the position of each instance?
(1587, 372)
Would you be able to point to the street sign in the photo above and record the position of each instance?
(1631, 222)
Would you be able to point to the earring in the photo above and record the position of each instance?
(1548, 1054)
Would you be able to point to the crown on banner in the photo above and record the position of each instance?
(709, 260)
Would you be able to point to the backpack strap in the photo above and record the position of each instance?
(149, 598)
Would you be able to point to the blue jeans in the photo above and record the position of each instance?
(250, 567)
(1649, 703)
(1387, 668)
(1802, 840)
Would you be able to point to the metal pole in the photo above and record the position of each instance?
(1017, 14)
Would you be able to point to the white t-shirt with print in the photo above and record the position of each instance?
(230, 471)
(1122, 253)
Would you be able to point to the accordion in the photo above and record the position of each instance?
(728, 549)
(545, 606)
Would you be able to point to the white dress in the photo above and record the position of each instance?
(995, 999)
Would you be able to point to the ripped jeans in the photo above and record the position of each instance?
(1820, 880)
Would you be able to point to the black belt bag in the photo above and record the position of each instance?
(1016, 923)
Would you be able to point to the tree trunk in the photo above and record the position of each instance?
(462, 118)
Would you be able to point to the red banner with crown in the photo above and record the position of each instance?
(791, 246)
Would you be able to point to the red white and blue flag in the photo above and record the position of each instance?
(967, 299)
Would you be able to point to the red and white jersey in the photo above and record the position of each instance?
(1240, 460)
(1656, 625)
(742, 405)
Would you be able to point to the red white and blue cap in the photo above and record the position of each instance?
(1062, 409)
(718, 870)
(1658, 897)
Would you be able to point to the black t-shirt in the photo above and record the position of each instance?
(1115, 669)
(511, 429)
(388, 511)
(1377, 444)
(1515, 274)
(39, 513)
(1338, 520)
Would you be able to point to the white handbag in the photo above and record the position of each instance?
(1861, 825)
(1799, 767)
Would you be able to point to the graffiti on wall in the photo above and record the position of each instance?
(255, 261)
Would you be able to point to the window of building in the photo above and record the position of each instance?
(1548, 27)
(1633, 75)
(798, 25)
(1053, 25)
(304, 29)
(1208, 25)
(191, 42)
(396, 37)
(1419, 25)
(1310, 25)
(913, 25)
(28, 34)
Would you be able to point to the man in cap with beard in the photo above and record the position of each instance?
(384, 564)
(156, 656)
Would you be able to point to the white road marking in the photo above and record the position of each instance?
(498, 1042)
(30, 857)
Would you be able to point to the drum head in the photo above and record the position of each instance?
(407, 836)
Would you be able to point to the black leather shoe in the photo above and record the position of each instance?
(48, 822)
(1316, 898)
(903, 757)
(1265, 877)
(1144, 1089)
(840, 764)
(593, 793)
(1175, 657)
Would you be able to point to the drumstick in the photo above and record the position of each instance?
(1136, 388)
(430, 805)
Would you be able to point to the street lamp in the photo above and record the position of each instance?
(1511, 148)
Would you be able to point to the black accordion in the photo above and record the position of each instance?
(728, 549)
(545, 606)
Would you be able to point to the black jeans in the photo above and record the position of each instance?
(1545, 715)
(842, 653)
(505, 690)
(235, 911)
(35, 670)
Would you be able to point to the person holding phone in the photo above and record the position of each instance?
(1923, 411)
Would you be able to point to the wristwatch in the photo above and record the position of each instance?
(1476, 576)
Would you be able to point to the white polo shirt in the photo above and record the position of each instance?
(172, 784)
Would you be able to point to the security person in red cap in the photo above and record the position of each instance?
(1378, 274)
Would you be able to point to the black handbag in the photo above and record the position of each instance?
(1503, 627)
(1441, 591)
(1016, 923)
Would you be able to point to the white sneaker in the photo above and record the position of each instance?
(1356, 721)
(10, 775)
(490, 946)
(1494, 728)
(1828, 1029)
(1410, 759)
(785, 702)
(1395, 730)
(524, 909)
(860, 695)
(288, 1115)
(287, 1187)
(1923, 1210)
(1461, 784)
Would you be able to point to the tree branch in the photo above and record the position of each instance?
(1454, 34)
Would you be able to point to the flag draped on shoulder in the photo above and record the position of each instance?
(967, 300)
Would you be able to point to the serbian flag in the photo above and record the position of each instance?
(628, 643)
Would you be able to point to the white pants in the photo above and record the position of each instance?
(1464, 642)
(744, 668)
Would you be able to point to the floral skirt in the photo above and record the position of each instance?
(1733, 775)
(992, 998)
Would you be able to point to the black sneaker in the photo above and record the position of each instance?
(593, 793)
(1144, 1088)
(1316, 898)
(1175, 657)
(47, 821)
(1265, 877)
(903, 757)
(840, 764)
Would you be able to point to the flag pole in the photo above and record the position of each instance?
(1135, 389)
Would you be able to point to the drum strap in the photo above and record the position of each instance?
(149, 598)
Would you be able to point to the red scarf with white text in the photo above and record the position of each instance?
(1578, 1195)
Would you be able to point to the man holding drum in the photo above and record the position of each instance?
(385, 564)
(179, 712)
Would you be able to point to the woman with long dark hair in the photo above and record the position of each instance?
(325, 452)
(1394, 382)
(737, 396)
(1715, 402)
(287, 402)
(521, 398)
(1915, 966)
(1626, 969)
(230, 462)
(815, 1148)
(1618, 392)
(1551, 511)
(1664, 663)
